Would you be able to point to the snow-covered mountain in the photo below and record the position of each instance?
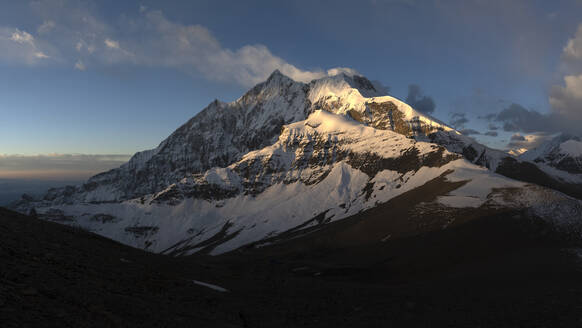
(223, 132)
(562, 153)
(289, 156)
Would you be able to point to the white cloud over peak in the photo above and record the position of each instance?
(78, 36)
(345, 70)
(193, 48)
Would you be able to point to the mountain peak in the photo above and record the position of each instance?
(275, 73)
(277, 76)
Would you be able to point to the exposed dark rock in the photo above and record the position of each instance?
(368, 190)
(103, 218)
(142, 230)
(409, 160)
(27, 197)
(470, 153)
(529, 172)
(54, 214)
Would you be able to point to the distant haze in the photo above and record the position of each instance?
(57, 167)
(35, 174)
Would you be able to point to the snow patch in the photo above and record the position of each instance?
(480, 184)
(211, 286)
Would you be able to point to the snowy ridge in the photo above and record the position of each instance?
(368, 106)
(470, 149)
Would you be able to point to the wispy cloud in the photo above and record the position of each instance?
(46, 27)
(80, 66)
(20, 47)
(111, 44)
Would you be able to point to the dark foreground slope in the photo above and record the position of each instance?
(487, 272)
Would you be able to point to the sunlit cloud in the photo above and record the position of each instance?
(111, 44)
(342, 70)
(520, 143)
(22, 37)
(567, 100)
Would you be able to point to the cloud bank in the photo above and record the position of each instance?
(566, 98)
(565, 101)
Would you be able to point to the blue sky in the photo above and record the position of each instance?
(116, 77)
